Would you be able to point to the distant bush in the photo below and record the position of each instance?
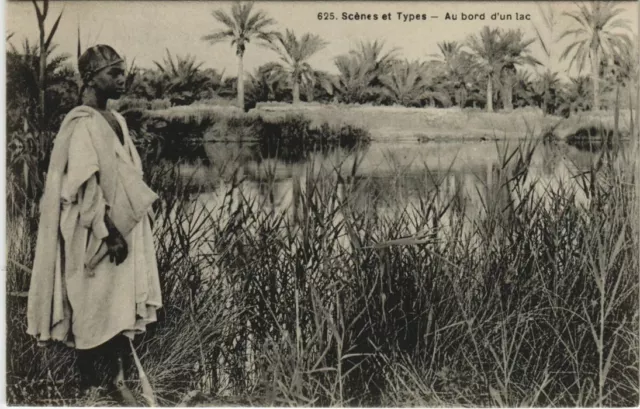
(288, 138)
(128, 103)
(288, 106)
(215, 101)
(197, 111)
(179, 132)
(159, 104)
(171, 138)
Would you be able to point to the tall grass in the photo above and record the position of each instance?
(533, 302)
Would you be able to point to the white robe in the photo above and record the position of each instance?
(110, 299)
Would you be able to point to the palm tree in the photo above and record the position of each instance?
(268, 84)
(294, 53)
(594, 39)
(148, 84)
(353, 81)
(618, 74)
(360, 71)
(575, 96)
(262, 86)
(241, 27)
(516, 53)
(488, 50)
(24, 91)
(457, 66)
(546, 34)
(321, 83)
(370, 53)
(411, 83)
(625, 73)
(545, 87)
(182, 77)
(524, 91)
(406, 83)
(497, 54)
(214, 82)
(547, 82)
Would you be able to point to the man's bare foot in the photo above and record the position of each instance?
(120, 390)
(123, 394)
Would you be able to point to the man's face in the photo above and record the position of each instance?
(110, 81)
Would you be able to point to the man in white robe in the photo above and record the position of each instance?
(95, 203)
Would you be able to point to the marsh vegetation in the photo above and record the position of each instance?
(304, 264)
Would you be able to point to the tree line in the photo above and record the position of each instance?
(488, 66)
(491, 69)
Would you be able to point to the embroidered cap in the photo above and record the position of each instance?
(95, 59)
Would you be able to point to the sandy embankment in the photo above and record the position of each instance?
(426, 124)
(401, 123)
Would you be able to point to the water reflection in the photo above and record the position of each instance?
(388, 178)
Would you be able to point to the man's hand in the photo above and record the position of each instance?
(117, 247)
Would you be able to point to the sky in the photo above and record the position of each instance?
(144, 30)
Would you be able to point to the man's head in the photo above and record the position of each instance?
(103, 70)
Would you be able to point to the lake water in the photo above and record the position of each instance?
(393, 175)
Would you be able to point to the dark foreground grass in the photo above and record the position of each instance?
(529, 304)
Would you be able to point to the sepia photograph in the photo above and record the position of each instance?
(322, 203)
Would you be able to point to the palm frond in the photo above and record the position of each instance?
(225, 19)
(594, 23)
(47, 43)
(218, 36)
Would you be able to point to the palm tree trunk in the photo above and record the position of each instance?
(464, 96)
(507, 93)
(240, 82)
(460, 97)
(296, 91)
(595, 78)
(616, 117)
(489, 94)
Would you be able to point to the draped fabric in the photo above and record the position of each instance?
(91, 173)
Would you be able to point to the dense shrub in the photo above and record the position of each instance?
(128, 103)
(288, 137)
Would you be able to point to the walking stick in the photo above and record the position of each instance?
(147, 390)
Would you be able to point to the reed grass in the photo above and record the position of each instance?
(334, 302)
